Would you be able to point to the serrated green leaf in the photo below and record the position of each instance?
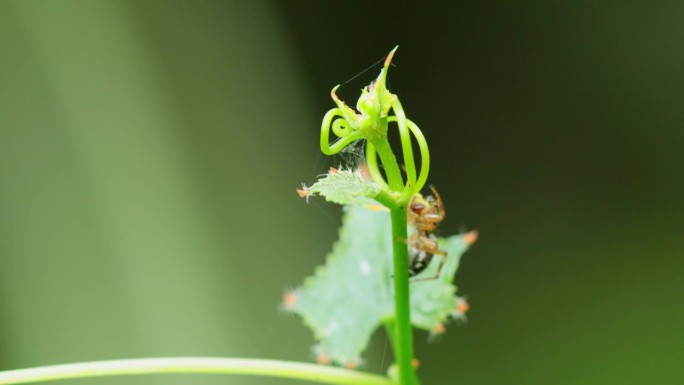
(344, 187)
(434, 301)
(348, 298)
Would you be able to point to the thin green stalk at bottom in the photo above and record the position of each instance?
(207, 365)
(403, 337)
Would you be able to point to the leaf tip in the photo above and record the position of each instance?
(304, 192)
(289, 300)
(462, 307)
(471, 237)
(333, 94)
(323, 359)
(353, 363)
(439, 328)
(388, 61)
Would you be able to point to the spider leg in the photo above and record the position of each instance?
(440, 206)
(438, 273)
(442, 262)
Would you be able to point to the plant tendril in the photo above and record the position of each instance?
(370, 123)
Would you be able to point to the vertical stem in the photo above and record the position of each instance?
(389, 163)
(403, 337)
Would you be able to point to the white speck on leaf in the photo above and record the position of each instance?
(330, 329)
(365, 267)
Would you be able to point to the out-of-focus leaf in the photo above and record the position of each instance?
(349, 297)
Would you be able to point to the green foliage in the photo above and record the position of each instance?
(349, 297)
(343, 187)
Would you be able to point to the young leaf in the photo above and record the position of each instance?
(344, 186)
(349, 297)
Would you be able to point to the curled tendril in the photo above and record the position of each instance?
(348, 126)
(341, 128)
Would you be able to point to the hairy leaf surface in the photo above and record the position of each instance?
(344, 187)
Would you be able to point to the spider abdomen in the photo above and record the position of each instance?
(418, 261)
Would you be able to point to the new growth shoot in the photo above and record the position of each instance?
(365, 282)
(376, 108)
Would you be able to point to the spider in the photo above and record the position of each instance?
(424, 214)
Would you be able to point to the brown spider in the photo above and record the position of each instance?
(424, 214)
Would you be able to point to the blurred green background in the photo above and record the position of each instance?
(149, 152)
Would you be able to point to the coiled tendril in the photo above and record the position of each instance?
(371, 124)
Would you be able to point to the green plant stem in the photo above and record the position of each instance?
(269, 368)
(407, 149)
(389, 163)
(403, 337)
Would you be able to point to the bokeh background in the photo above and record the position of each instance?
(149, 152)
